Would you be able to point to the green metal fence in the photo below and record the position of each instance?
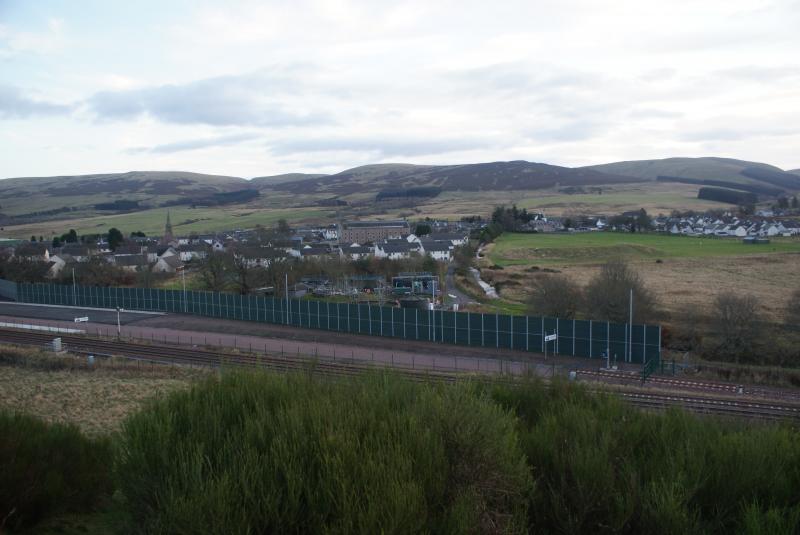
(580, 338)
(8, 290)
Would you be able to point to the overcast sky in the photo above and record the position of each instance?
(251, 89)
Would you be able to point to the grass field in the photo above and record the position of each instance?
(96, 399)
(655, 197)
(599, 247)
(685, 273)
(184, 221)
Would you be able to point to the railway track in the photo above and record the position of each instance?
(195, 356)
(627, 377)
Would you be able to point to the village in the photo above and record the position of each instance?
(360, 240)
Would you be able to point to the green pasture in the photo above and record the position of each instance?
(184, 220)
(596, 247)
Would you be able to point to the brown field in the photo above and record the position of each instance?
(64, 389)
(682, 282)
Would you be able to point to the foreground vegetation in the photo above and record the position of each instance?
(258, 453)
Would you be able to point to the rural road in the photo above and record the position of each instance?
(454, 295)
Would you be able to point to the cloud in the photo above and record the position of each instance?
(194, 144)
(380, 148)
(16, 105)
(569, 131)
(41, 41)
(258, 99)
(760, 73)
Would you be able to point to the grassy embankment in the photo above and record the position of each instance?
(258, 453)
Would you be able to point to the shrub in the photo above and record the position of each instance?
(556, 296)
(734, 322)
(272, 454)
(48, 469)
(608, 295)
(604, 467)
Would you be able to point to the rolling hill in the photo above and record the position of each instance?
(29, 201)
(41, 196)
(261, 181)
(707, 168)
(494, 176)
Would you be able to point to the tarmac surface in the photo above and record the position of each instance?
(65, 313)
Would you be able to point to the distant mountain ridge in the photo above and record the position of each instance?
(260, 181)
(705, 168)
(47, 196)
(493, 176)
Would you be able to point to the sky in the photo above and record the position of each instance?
(261, 88)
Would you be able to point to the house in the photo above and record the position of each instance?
(438, 250)
(58, 263)
(457, 239)
(165, 251)
(372, 231)
(129, 262)
(315, 252)
(259, 256)
(168, 264)
(33, 251)
(188, 252)
(356, 252)
(330, 233)
(395, 250)
(78, 251)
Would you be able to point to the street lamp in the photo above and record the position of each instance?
(183, 279)
(119, 325)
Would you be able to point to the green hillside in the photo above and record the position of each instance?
(261, 181)
(706, 168)
(29, 196)
(491, 176)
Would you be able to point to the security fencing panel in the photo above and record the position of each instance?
(8, 290)
(580, 338)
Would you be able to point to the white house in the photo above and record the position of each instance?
(393, 251)
(168, 264)
(438, 250)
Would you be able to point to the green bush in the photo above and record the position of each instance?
(48, 469)
(254, 453)
(604, 467)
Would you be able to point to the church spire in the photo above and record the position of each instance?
(168, 237)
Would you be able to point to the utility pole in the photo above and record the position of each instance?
(433, 308)
(630, 330)
(183, 279)
(74, 289)
(119, 326)
(286, 277)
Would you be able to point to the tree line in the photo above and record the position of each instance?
(733, 331)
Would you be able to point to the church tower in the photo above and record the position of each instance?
(168, 237)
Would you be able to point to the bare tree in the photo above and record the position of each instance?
(556, 296)
(734, 323)
(608, 295)
(243, 271)
(214, 271)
